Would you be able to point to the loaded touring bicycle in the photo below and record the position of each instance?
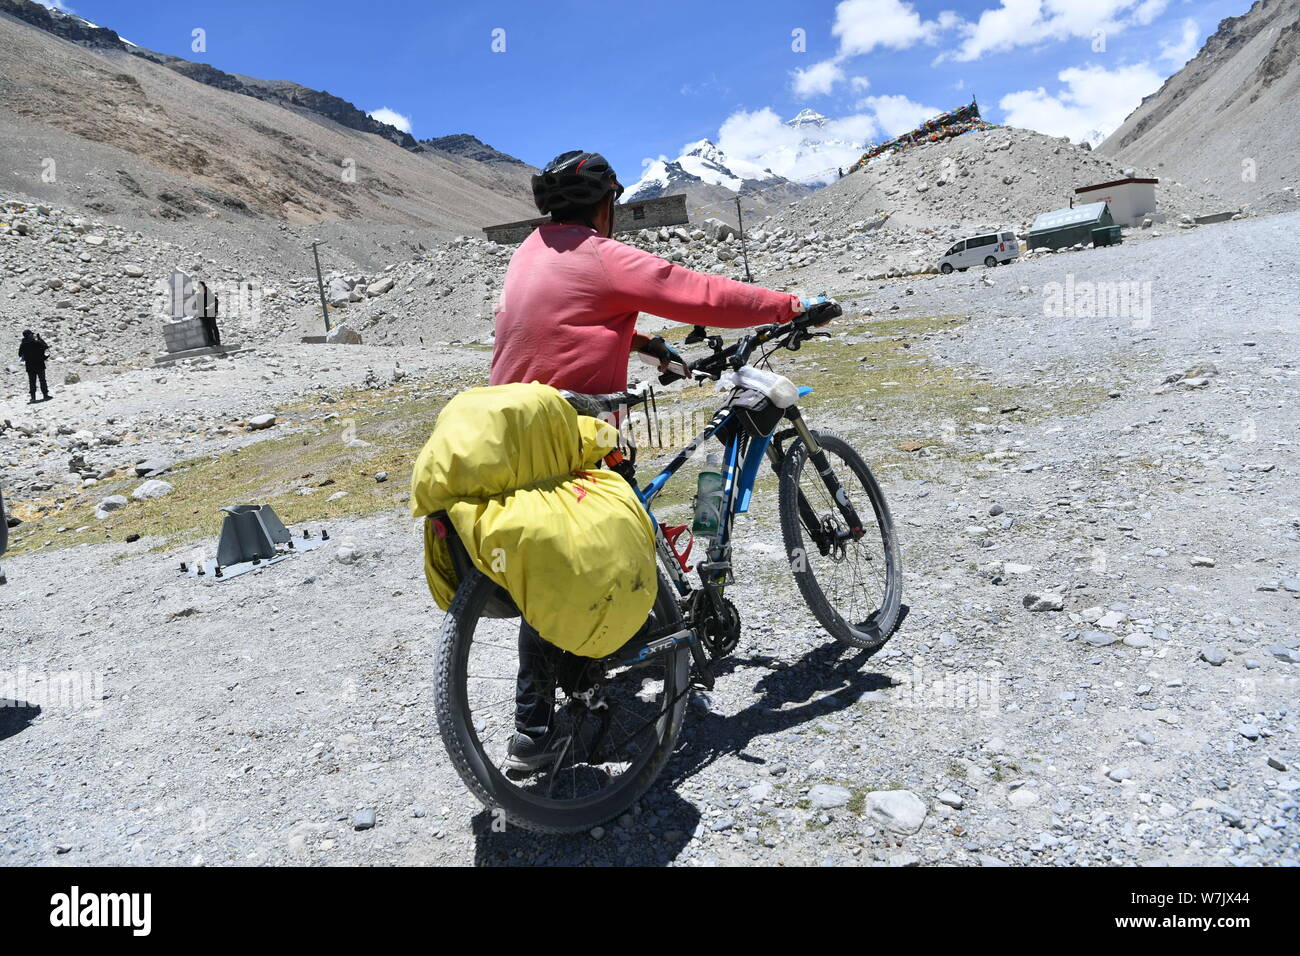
(617, 718)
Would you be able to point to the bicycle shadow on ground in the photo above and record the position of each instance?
(822, 683)
(16, 716)
(649, 842)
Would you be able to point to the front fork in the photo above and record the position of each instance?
(841, 498)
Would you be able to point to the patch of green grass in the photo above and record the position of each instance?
(857, 801)
(394, 423)
(889, 380)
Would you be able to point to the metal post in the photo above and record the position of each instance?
(744, 251)
(4, 535)
(320, 285)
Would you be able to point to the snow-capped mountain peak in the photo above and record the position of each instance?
(805, 118)
(700, 162)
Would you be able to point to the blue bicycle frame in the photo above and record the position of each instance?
(737, 488)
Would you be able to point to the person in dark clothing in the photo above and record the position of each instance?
(32, 351)
(208, 305)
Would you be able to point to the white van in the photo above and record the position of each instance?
(993, 249)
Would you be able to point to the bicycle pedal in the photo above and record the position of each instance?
(702, 681)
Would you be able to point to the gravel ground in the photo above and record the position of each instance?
(1151, 719)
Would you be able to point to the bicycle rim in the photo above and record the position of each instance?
(604, 758)
(854, 590)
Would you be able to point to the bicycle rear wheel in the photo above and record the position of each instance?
(853, 587)
(606, 756)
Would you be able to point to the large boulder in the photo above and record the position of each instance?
(109, 505)
(153, 488)
(718, 230)
(380, 287)
(337, 293)
(342, 335)
(151, 466)
(901, 811)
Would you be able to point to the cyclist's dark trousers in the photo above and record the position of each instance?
(210, 328)
(36, 373)
(535, 685)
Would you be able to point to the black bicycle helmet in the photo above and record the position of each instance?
(575, 178)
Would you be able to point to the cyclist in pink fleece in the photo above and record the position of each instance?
(568, 309)
(567, 318)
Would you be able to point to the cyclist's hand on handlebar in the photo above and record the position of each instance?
(665, 358)
(818, 310)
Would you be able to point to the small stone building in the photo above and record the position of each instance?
(628, 217)
(1130, 200)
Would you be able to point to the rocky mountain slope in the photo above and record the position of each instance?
(996, 178)
(1226, 121)
(90, 124)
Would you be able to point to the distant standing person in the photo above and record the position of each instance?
(32, 351)
(208, 305)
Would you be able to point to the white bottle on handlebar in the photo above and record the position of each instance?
(780, 390)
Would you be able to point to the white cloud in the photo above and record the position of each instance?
(813, 152)
(762, 138)
(897, 114)
(1093, 100)
(1186, 47)
(863, 25)
(818, 80)
(55, 5)
(392, 118)
(1148, 10)
(1018, 23)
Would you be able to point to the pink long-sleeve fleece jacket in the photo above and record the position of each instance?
(570, 300)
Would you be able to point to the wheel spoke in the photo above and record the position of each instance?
(850, 585)
(596, 748)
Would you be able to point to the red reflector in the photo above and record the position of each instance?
(439, 529)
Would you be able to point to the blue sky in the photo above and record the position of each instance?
(639, 80)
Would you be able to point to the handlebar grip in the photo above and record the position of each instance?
(820, 313)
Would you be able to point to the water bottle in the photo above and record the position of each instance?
(708, 499)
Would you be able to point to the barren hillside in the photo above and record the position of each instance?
(1226, 121)
(121, 135)
(996, 177)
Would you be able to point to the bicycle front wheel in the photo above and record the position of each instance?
(854, 587)
(607, 748)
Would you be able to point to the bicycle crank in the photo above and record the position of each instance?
(719, 633)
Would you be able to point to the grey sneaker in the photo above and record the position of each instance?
(527, 754)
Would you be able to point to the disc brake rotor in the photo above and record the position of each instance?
(831, 529)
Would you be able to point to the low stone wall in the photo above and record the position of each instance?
(184, 334)
(628, 217)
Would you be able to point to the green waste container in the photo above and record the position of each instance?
(1107, 236)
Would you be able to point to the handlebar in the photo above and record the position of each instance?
(793, 333)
